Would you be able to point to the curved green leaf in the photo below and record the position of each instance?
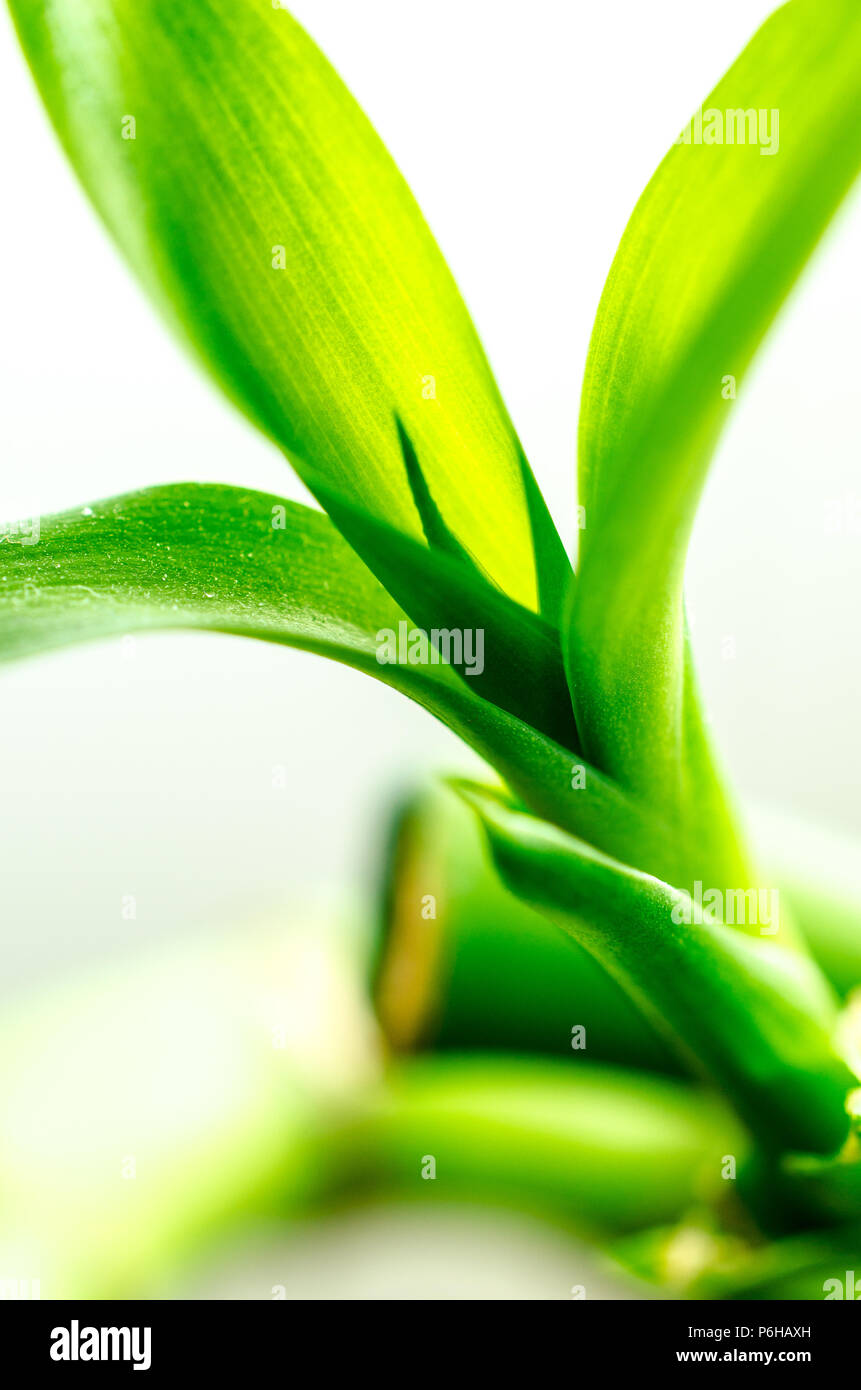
(191, 556)
(714, 246)
(755, 1017)
(212, 557)
(262, 211)
(228, 560)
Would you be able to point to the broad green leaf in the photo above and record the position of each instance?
(260, 209)
(190, 556)
(755, 1017)
(208, 557)
(715, 244)
(224, 559)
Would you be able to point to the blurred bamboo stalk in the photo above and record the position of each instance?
(461, 963)
(147, 1113)
(599, 1149)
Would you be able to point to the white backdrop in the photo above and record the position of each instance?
(527, 133)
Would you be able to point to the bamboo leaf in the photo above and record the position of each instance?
(756, 1017)
(190, 556)
(262, 212)
(212, 557)
(223, 559)
(713, 247)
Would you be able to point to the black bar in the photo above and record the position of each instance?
(225, 1339)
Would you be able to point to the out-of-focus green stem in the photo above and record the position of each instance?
(600, 1149)
(147, 1108)
(819, 872)
(814, 1266)
(147, 1112)
(461, 963)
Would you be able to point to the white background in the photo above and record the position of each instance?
(527, 133)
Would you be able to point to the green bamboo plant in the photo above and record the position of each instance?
(263, 215)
